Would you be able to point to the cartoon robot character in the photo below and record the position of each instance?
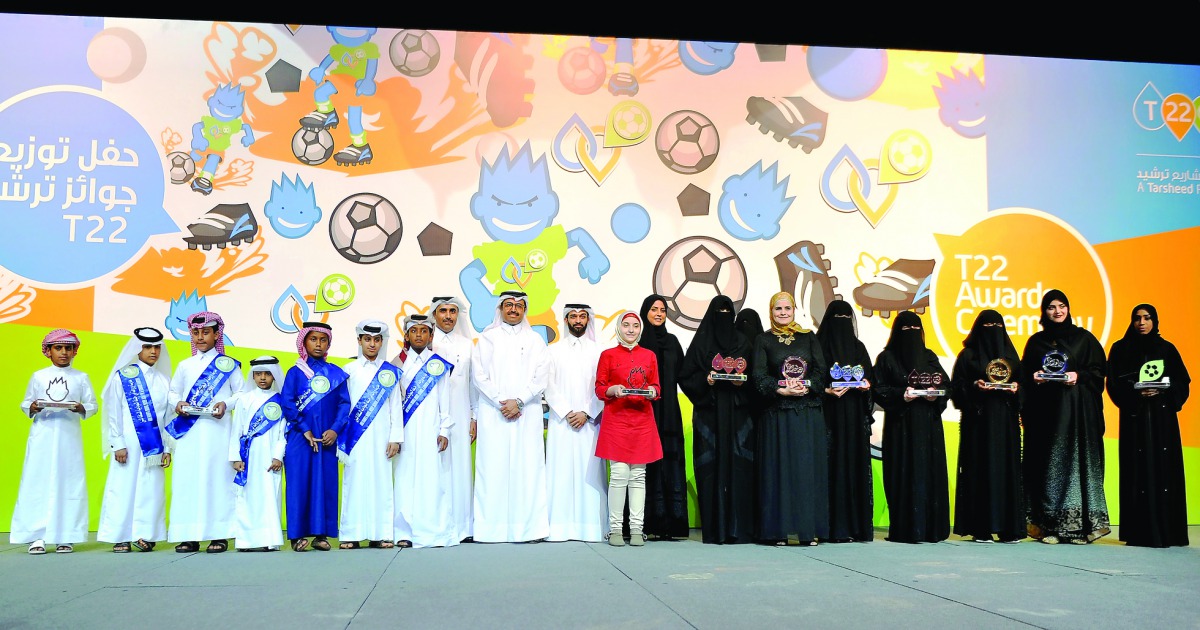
(352, 55)
(214, 133)
(516, 207)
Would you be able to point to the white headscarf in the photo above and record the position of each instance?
(376, 327)
(460, 329)
(498, 320)
(590, 332)
(129, 355)
(620, 338)
(266, 363)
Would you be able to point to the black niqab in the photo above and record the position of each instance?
(907, 345)
(838, 333)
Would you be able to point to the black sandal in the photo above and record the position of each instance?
(404, 544)
(217, 546)
(144, 545)
(350, 544)
(381, 544)
(320, 543)
(190, 546)
(121, 547)
(300, 544)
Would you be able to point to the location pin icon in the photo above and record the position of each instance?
(1178, 113)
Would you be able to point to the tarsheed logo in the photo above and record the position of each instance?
(1177, 112)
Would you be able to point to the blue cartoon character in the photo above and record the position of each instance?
(183, 308)
(961, 100)
(353, 57)
(706, 58)
(292, 208)
(214, 133)
(752, 203)
(516, 207)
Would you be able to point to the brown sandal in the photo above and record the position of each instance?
(300, 544)
(321, 544)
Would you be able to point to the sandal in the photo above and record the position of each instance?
(350, 544)
(404, 544)
(190, 546)
(300, 544)
(217, 546)
(321, 544)
(64, 549)
(144, 545)
(37, 547)
(381, 544)
(121, 548)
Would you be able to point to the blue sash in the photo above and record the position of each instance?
(368, 406)
(423, 382)
(318, 386)
(268, 414)
(210, 381)
(141, 409)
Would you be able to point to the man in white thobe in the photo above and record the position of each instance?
(509, 368)
(134, 509)
(367, 492)
(455, 343)
(577, 488)
(202, 495)
(423, 493)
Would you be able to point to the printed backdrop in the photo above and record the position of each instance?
(282, 173)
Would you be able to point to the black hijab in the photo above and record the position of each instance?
(991, 342)
(717, 332)
(838, 333)
(1055, 329)
(654, 338)
(749, 323)
(907, 345)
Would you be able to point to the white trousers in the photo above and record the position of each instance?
(623, 479)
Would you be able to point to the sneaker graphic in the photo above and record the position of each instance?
(353, 156)
(623, 84)
(494, 68)
(902, 286)
(202, 185)
(317, 121)
(788, 117)
(805, 274)
(225, 224)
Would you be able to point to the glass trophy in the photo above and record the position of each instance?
(925, 383)
(998, 375)
(637, 383)
(728, 368)
(196, 410)
(1054, 366)
(850, 376)
(56, 404)
(1151, 376)
(794, 369)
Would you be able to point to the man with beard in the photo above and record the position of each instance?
(454, 343)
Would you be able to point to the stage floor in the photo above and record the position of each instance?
(681, 584)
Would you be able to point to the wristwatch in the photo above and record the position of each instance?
(520, 405)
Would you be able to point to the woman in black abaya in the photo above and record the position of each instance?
(1153, 493)
(914, 445)
(722, 428)
(988, 497)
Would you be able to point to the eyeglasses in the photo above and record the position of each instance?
(509, 305)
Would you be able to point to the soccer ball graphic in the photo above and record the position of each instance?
(312, 147)
(909, 153)
(582, 70)
(694, 270)
(365, 228)
(338, 291)
(414, 52)
(631, 121)
(687, 142)
(181, 167)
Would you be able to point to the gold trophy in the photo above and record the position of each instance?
(999, 374)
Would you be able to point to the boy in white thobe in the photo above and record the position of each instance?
(133, 430)
(372, 438)
(577, 491)
(422, 470)
(509, 369)
(52, 500)
(202, 499)
(454, 343)
(256, 449)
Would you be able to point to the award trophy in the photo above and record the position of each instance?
(196, 410)
(728, 368)
(999, 375)
(55, 404)
(1150, 376)
(849, 376)
(925, 383)
(1054, 366)
(794, 369)
(637, 382)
